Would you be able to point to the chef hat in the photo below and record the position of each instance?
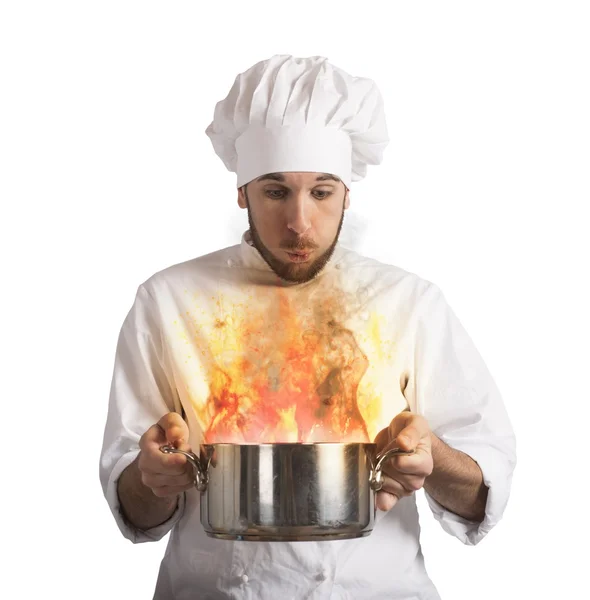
(299, 114)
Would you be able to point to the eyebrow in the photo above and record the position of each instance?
(326, 176)
(280, 177)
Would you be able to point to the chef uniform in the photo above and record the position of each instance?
(293, 114)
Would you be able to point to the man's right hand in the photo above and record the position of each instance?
(166, 474)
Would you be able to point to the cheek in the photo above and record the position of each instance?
(268, 226)
(326, 224)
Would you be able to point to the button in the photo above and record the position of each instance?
(245, 578)
(230, 262)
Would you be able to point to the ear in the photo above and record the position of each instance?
(346, 198)
(242, 198)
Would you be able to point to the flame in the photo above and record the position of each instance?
(285, 373)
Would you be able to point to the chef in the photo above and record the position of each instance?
(248, 343)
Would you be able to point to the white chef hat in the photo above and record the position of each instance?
(299, 114)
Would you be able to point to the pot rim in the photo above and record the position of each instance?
(297, 444)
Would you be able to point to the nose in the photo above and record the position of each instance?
(298, 214)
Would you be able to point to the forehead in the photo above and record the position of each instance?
(298, 178)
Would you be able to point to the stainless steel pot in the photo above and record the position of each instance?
(288, 492)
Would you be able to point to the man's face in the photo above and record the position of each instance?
(295, 220)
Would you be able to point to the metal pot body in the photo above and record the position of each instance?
(288, 492)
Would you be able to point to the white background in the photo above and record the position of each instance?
(107, 176)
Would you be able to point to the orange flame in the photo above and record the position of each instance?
(290, 379)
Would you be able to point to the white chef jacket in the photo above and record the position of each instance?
(421, 359)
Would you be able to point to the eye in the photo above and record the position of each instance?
(275, 194)
(322, 194)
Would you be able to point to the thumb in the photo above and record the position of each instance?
(401, 425)
(175, 429)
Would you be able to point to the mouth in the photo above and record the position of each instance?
(299, 257)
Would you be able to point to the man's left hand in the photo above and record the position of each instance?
(404, 475)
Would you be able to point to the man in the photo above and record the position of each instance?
(290, 337)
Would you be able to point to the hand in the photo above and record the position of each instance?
(166, 474)
(404, 475)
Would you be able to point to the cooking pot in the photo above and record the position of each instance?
(288, 491)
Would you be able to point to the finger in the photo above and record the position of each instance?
(398, 423)
(408, 438)
(414, 430)
(409, 483)
(397, 487)
(154, 480)
(419, 464)
(382, 439)
(154, 435)
(175, 428)
(153, 460)
(163, 492)
(171, 429)
(386, 438)
(385, 501)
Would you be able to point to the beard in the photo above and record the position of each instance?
(293, 272)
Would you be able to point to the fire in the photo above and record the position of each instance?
(288, 372)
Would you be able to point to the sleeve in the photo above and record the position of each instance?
(141, 393)
(455, 392)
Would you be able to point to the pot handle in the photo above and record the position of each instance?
(201, 474)
(376, 480)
